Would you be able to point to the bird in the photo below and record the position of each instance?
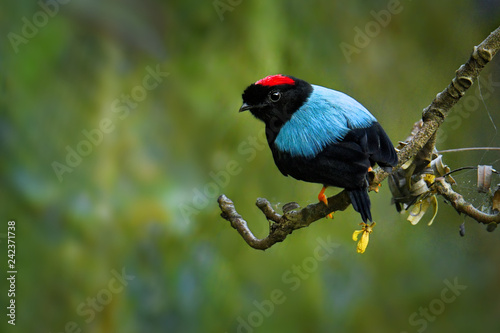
(320, 135)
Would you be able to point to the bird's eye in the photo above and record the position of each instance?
(274, 96)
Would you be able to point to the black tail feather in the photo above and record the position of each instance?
(361, 203)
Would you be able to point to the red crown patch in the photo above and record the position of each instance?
(274, 80)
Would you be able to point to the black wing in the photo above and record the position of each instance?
(375, 142)
(343, 164)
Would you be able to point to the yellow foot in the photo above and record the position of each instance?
(330, 216)
(377, 188)
(322, 196)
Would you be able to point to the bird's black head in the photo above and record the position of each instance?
(275, 98)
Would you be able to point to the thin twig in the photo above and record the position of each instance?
(456, 150)
(466, 168)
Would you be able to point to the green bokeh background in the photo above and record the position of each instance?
(133, 202)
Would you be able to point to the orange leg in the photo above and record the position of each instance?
(370, 170)
(323, 199)
(322, 196)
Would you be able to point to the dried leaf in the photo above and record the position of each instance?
(418, 211)
(289, 207)
(420, 208)
(439, 168)
(419, 188)
(434, 204)
(484, 173)
(408, 163)
(496, 200)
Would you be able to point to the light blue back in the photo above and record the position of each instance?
(325, 118)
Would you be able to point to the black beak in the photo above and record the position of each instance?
(245, 107)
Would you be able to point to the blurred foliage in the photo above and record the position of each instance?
(129, 203)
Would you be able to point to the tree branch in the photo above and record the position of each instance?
(432, 118)
(461, 206)
(282, 225)
(434, 114)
